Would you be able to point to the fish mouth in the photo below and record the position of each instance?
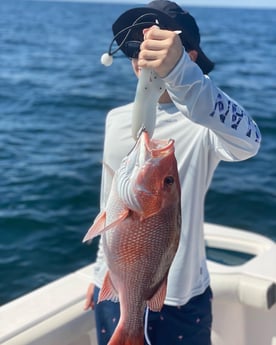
(145, 151)
(154, 147)
(157, 148)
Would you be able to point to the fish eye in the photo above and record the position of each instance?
(168, 180)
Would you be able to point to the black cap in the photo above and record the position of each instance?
(167, 15)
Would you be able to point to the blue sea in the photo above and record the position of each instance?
(54, 96)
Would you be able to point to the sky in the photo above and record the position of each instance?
(218, 3)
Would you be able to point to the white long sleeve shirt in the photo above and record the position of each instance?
(207, 127)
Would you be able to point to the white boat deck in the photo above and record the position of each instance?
(244, 300)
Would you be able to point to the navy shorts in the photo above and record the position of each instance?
(189, 324)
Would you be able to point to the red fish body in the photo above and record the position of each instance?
(141, 230)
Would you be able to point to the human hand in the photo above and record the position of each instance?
(160, 50)
(89, 303)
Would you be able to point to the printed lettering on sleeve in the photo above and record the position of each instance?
(224, 109)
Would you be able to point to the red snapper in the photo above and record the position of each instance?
(141, 229)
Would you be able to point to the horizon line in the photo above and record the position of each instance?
(190, 4)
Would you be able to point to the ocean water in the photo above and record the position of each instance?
(54, 95)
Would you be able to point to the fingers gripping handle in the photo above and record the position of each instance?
(149, 89)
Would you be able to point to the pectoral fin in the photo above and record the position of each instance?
(99, 225)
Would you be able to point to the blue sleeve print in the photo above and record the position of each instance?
(227, 109)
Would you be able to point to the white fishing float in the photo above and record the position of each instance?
(107, 59)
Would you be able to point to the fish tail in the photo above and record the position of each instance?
(122, 336)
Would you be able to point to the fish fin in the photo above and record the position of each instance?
(108, 292)
(123, 215)
(123, 336)
(97, 227)
(157, 301)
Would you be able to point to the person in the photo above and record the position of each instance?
(207, 126)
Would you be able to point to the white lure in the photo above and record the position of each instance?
(149, 89)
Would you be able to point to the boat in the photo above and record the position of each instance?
(242, 266)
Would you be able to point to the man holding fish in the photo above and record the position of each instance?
(147, 256)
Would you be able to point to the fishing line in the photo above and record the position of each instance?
(107, 58)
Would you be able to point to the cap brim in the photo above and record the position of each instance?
(204, 62)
